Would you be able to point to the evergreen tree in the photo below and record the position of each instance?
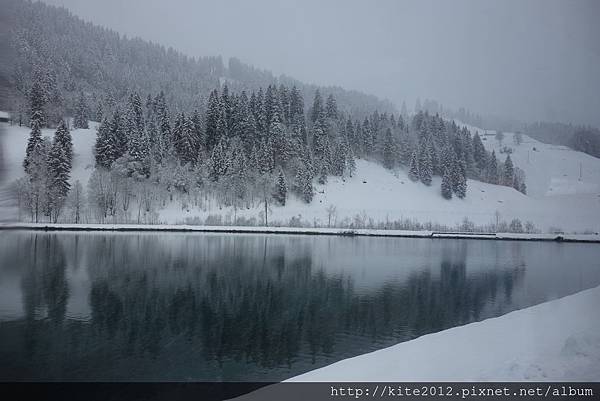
(350, 165)
(218, 160)
(323, 174)
(139, 150)
(33, 144)
(303, 182)
(197, 131)
(244, 124)
(425, 163)
(413, 171)
(259, 115)
(135, 115)
(317, 107)
(368, 138)
(236, 173)
(266, 163)
(479, 154)
(117, 132)
(460, 186)
(62, 137)
(271, 107)
(351, 135)
(281, 152)
(285, 104)
(492, 169)
(184, 139)
(105, 147)
(404, 111)
(226, 111)
(331, 110)
(296, 103)
(38, 174)
(37, 103)
(389, 150)
(99, 114)
(280, 194)
(59, 168)
(81, 112)
(447, 184)
(321, 148)
(508, 175)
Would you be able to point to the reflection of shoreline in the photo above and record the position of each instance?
(182, 228)
(230, 307)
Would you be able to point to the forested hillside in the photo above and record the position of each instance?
(581, 138)
(69, 56)
(171, 126)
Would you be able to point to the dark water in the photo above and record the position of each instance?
(170, 306)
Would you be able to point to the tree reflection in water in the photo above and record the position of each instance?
(226, 307)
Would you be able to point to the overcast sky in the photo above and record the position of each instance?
(526, 59)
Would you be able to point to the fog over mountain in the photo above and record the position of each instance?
(528, 60)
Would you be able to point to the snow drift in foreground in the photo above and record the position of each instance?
(554, 341)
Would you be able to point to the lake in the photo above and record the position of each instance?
(252, 307)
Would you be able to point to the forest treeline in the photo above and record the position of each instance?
(243, 150)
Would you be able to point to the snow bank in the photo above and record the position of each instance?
(553, 341)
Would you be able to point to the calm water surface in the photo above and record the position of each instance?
(218, 307)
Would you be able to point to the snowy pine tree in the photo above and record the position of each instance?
(59, 169)
(492, 169)
(33, 143)
(317, 107)
(413, 170)
(63, 139)
(218, 160)
(460, 179)
(118, 134)
(303, 182)
(389, 150)
(447, 184)
(38, 174)
(280, 194)
(105, 148)
(37, 103)
(331, 110)
(81, 112)
(425, 163)
(508, 173)
(479, 154)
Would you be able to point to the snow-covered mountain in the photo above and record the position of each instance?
(558, 198)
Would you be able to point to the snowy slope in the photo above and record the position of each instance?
(396, 197)
(383, 195)
(554, 341)
(551, 170)
(15, 142)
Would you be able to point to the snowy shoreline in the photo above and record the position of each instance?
(586, 238)
(557, 340)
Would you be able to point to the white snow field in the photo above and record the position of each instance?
(557, 199)
(554, 341)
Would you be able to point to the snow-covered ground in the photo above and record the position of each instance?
(557, 199)
(554, 341)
